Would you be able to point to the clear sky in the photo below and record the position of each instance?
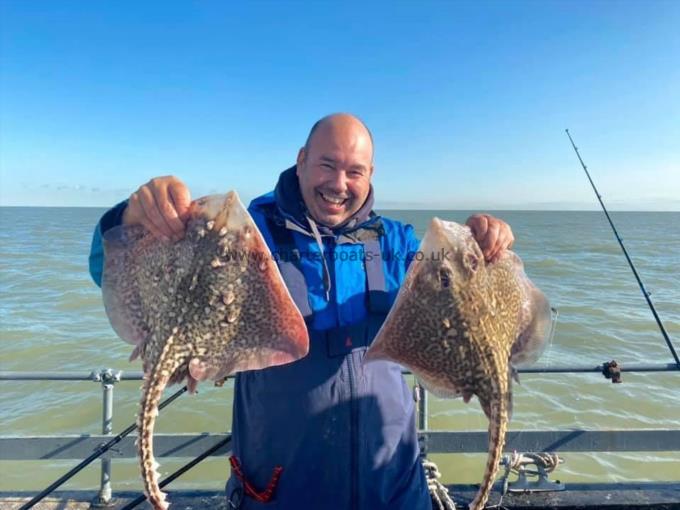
(467, 101)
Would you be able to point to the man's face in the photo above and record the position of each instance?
(335, 172)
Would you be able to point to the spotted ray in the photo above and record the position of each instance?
(208, 306)
(460, 324)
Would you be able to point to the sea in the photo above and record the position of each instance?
(52, 319)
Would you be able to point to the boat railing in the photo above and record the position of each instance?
(52, 447)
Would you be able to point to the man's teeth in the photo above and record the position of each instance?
(333, 200)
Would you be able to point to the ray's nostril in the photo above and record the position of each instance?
(472, 262)
(444, 278)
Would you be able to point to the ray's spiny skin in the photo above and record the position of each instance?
(455, 322)
(209, 305)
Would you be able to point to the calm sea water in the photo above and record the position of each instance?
(51, 319)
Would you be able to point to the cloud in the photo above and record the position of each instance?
(75, 187)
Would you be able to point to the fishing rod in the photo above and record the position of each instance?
(630, 262)
(97, 453)
(186, 467)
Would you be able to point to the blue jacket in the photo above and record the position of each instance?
(343, 432)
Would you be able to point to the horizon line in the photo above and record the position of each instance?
(387, 209)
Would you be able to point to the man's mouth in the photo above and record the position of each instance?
(333, 200)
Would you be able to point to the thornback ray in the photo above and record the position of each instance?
(209, 305)
(459, 324)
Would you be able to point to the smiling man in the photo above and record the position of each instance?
(338, 433)
(334, 169)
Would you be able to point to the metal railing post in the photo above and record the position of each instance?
(108, 379)
(422, 408)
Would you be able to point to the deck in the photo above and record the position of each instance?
(647, 496)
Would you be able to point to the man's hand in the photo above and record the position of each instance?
(161, 206)
(494, 236)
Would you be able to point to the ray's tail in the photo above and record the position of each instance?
(498, 426)
(152, 390)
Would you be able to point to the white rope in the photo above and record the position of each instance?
(517, 461)
(438, 492)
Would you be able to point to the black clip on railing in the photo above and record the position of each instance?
(612, 370)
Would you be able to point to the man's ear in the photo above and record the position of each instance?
(300, 160)
(370, 172)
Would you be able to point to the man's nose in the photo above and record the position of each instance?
(338, 182)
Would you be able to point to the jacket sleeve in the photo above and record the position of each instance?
(412, 244)
(112, 218)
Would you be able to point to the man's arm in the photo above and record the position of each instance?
(160, 206)
(112, 218)
(412, 244)
(493, 235)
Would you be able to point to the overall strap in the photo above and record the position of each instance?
(288, 258)
(378, 301)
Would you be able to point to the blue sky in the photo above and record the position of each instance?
(467, 101)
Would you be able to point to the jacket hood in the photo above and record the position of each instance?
(289, 200)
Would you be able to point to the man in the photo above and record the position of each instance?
(342, 432)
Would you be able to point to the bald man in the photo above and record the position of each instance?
(343, 432)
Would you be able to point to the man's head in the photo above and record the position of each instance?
(335, 168)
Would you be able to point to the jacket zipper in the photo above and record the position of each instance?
(353, 434)
(354, 413)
